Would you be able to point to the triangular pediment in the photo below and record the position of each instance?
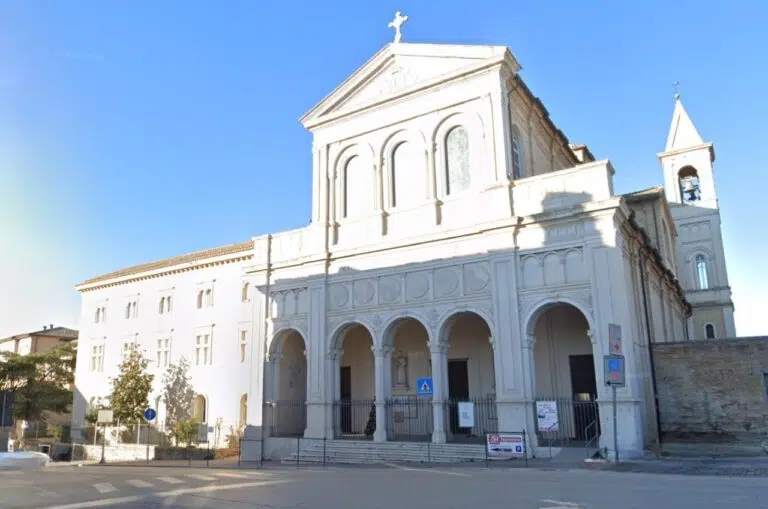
(399, 68)
(682, 132)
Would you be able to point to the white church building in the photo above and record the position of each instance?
(456, 236)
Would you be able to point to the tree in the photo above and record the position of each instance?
(178, 394)
(131, 389)
(41, 382)
(186, 431)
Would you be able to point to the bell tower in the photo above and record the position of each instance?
(689, 185)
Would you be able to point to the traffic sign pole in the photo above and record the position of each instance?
(615, 427)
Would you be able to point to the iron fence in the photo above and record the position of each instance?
(578, 422)
(480, 417)
(285, 418)
(409, 419)
(354, 419)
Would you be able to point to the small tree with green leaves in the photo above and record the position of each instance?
(131, 388)
(178, 394)
(186, 431)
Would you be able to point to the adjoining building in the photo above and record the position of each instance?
(456, 236)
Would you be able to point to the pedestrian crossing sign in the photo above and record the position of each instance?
(424, 387)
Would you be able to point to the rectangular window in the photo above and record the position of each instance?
(163, 352)
(203, 351)
(97, 358)
(243, 343)
(127, 349)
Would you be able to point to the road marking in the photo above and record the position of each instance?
(171, 480)
(430, 470)
(138, 483)
(173, 493)
(104, 487)
(558, 504)
(201, 477)
(232, 474)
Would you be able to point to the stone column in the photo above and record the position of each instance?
(439, 356)
(529, 388)
(333, 393)
(432, 179)
(382, 358)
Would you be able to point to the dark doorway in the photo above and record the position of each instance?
(458, 390)
(345, 380)
(586, 419)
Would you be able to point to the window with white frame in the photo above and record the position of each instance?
(517, 154)
(243, 344)
(457, 174)
(131, 309)
(128, 347)
(209, 298)
(97, 357)
(244, 292)
(163, 352)
(101, 314)
(204, 298)
(164, 306)
(702, 276)
(203, 350)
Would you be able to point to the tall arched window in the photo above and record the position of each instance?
(407, 173)
(244, 293)
(701, 272)
(128, 310)
(199, 299)
(199, 408)
(98, 314)
(517, 154)
(161, 307)
(690, 190)
(358, 188)
(208, 298)
(709, 331)
(243, 410)
(457, 174)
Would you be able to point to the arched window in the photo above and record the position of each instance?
(709, 331)
(208, 298)
(517, 154)
(128, 310)
(168, 304)
(244, 293)
(98, 315)
(358, 188)
(199, 299)
(243, 409)
(701, 272)
(690, 190)
(162, 305)
(199, 408)
(407, 174)
(457, 174)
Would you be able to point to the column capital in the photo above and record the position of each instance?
(529, 341)
(591, 336)
(335, 353)
(382, 351)
(437, 348)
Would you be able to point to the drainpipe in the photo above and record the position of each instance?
(650, 352)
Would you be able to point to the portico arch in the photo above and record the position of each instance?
(354, 413)
(407, 358)
(287, 411)
(563, 370)
(470, 376)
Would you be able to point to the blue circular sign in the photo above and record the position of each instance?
(150, 414)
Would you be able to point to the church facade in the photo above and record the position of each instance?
(459, 246)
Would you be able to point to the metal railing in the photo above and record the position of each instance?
(409, 419)
(482, 415)
(285, 418)
(354, 419)
(578, 423)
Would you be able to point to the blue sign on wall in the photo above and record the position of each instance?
(424, 387)
(150, 414)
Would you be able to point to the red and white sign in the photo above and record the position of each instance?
(505, 445)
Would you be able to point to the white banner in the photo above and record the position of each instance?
(466, 414)
(546, 415)
(505, 445)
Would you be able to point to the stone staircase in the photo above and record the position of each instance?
(366, 452)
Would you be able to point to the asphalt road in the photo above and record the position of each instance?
(400, 487)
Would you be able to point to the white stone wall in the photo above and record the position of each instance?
(223, 382)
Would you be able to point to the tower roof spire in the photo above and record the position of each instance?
(682, 132)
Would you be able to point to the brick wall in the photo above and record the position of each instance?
(715, 387)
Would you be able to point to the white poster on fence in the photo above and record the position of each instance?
(546, 415)
(466, 414)
(505, 445)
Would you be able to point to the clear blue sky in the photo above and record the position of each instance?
(132, 131)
